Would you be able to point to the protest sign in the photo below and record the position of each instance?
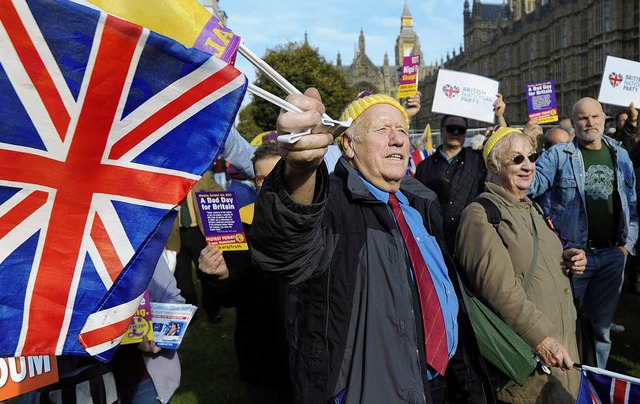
(141, 325)
(541, 101)
(221, 220)
(24, 374)
(409, 77)
(620, 82)
(464, 94)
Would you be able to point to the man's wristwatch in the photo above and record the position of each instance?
(633, 120)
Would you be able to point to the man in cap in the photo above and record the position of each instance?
(361, 251)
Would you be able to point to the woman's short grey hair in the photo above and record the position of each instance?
(502, 150)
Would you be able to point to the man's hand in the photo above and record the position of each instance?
(303, 157)
(498, 108)
(553, 354)
(412, 104)
(212, 262)
(575, 260)
(633, 114)
(533, 130)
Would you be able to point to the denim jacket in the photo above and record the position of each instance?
(558, 185)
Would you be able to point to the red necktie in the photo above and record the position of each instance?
(435, 333)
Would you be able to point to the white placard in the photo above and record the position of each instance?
(620, 82)
(464, 94)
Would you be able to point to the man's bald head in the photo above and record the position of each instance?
(555, 136)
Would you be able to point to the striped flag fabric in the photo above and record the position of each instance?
(415, 157)
(104, 127)
(599, 386)
(186, 21)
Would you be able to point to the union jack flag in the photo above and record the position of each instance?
(415, 157)
(104, 127)
(599, 386)
(615, 79)
(450, 90)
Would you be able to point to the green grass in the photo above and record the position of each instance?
(625, 355)
(209, 369)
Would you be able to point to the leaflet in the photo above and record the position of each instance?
(170, 321)
(221, 220)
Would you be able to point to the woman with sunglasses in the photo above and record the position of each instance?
(519, 269)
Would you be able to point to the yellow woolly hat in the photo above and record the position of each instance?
(497, 136)
(365, 100)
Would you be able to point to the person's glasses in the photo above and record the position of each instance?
(456, 128)
(519, 159)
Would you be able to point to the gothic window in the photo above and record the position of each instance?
(565, 34)
(599, 19)
(505, 59)
(599, 59)
(532, 46)
(607, 16)
(530, 6)
(546, 48)
(584, 66)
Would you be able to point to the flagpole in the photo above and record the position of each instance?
(605, 372)
(269, 71)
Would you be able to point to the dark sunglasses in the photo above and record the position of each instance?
(456, 128)
(519, 159)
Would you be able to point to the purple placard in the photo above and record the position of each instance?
(218, 40)
(221, 220)
(541, 101)
(409, 77)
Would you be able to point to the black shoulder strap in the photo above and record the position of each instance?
(493, 214)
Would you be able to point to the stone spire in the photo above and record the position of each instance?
(407, 18)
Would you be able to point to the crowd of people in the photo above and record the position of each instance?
(367, 269)
(354, 288)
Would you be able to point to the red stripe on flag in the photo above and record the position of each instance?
(173, 109)
(60, 255)
(106, 248)
(21, 211)
(36, 70)
(619, 391)
(105, 334)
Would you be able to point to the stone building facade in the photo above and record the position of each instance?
(522, 41)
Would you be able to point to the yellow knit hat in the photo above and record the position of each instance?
(497, 136)
(365, 100)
